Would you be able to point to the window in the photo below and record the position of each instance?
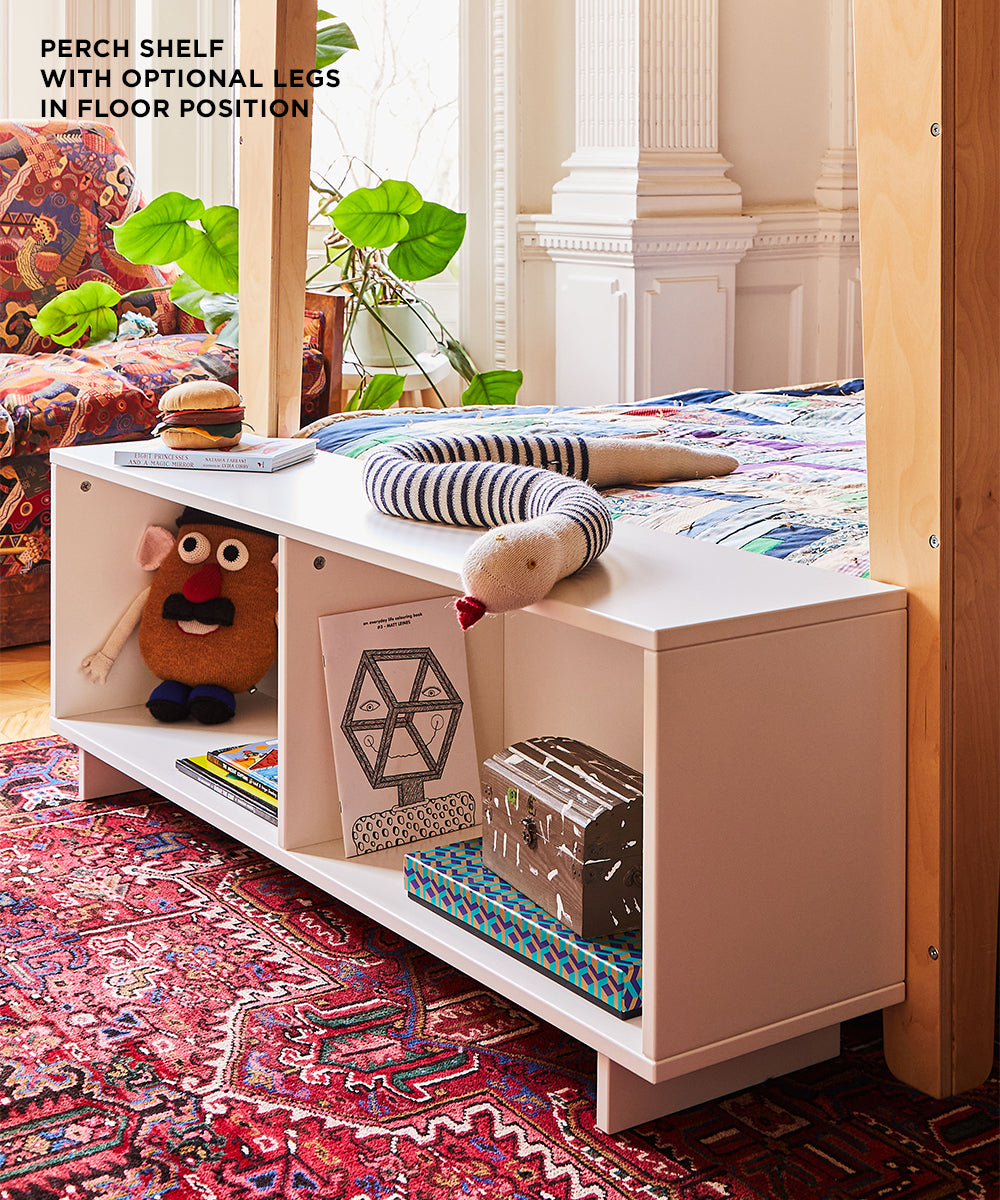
(395, 113)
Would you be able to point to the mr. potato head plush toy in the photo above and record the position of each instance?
(207, 624)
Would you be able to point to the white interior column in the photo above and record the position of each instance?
(839, 349)
(837, 186)
(646, 229)
(646, 112)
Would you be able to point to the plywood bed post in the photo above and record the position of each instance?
(928, 88)
(275, 37)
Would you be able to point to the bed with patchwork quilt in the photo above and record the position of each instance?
(799, 492)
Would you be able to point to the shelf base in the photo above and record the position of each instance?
(624, 1100)
(97, 779)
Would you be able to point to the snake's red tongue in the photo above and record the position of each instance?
(469, 610)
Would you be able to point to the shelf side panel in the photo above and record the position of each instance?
(774, 829)
(97, 527)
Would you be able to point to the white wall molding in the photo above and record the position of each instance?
(797, 307)
(780, 232)
(503, 181)
(488, 157)
(564, 241)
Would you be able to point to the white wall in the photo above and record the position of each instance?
(797, 311)
(773, 97)
(546, 84)
(173, 153)
(22, 26)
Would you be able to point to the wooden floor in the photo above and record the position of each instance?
(24, 692)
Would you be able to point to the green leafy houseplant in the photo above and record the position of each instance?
(173, 228)
(176, 229)
(383, 240)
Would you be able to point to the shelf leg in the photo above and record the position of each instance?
(624, 1100)
(97, 779)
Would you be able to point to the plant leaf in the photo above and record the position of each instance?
(188, 295)
(381, 391)
(229, 333)
(333, 39)
(377, 217)
(493, 387)
(429, 244)
(219, 310)
(456, 354)
(160, 233)
(213, 260)
(222, 316)
(87, 310)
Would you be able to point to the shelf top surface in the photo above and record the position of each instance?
(650, 589)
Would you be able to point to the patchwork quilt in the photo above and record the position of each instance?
(799, 493)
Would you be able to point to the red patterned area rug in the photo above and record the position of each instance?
(181, 1018)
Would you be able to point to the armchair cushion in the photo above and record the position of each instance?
(111, 392)
(63, 185)
(104, 393)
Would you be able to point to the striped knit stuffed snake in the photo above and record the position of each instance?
(545, 521)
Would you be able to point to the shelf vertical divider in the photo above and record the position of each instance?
(308, 810)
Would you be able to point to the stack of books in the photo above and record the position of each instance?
(254, 453)
(453, 880)
(246, 774)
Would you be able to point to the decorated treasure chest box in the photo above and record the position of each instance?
(562, 822)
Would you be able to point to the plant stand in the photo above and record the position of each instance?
(417, 391)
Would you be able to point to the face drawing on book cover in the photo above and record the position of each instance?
(401, 718)
(400, 723)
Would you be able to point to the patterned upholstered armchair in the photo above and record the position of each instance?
(62, 186)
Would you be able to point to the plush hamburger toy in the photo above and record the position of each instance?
(201, 415)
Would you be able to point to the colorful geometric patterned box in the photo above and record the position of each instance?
(453, 881)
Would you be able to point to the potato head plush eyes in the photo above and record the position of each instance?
(206, 622)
